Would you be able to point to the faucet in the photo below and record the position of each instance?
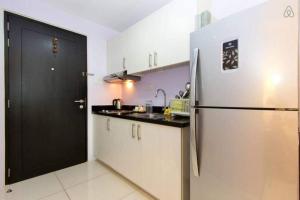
(165, 96)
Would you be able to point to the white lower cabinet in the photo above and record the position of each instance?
(149, 155)
(151, 148)
(102, 149)
(171, 157)
(128, 150)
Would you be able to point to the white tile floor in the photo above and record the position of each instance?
(88, 181)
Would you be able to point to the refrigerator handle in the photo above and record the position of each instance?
(194, 148)
(194, 76)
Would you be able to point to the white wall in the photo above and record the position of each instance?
(221, 8)
(172, 80)
(98, 92)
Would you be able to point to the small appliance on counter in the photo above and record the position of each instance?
(117, 104)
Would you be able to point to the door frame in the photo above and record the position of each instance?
(6, 82)
(6, 87)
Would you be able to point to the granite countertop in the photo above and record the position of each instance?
(127, 113)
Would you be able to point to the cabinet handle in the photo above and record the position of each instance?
(150, 60)
(108, 124)
(133, 131)
(155, 58)
(139, 132)
(124, 63)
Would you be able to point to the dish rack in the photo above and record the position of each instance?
(180, 107)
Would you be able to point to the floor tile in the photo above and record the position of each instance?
(34, 189)
(58, 196)
(105, 187)
(80, 173)
(138, 196)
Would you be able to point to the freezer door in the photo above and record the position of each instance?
(249, 59)
(246, 155)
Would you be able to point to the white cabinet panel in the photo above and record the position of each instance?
(177, 22)
(151, 157)
(127, 149)
(99, 123)
(102, 138)
(171, 168)
(116, 54)
(138, 47)
(159, 40)
(161, 160)
(147, 154)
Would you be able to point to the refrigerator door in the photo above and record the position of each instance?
(249, 59)
(246, 155)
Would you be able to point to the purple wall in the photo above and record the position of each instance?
(171, 80)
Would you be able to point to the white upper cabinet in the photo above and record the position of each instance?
(159, 40)
(137, 44)
(116, 57)
(177, 22)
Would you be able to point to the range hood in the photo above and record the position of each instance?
(121, 77)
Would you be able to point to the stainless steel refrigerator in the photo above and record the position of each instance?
(244, 98)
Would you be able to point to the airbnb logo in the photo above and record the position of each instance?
(289, 12)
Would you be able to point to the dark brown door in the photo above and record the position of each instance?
(46, 129)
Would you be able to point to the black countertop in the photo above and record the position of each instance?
(179, 122)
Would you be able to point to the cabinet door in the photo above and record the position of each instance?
(147, 39)
(119, 131)
(140, 46)
(171, 159)
(101, 138)
(177, 22)
(151, 157)
(154, 24)
(110, 157)
(161, 161)
(116, 49)
(98, 123)
(126, 149)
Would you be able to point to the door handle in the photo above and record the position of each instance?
(150, 60)
(80, 101)
(139, 132)
(194, 77)
(133, 131)
(155, 58)
(194, 148)
(124, 63)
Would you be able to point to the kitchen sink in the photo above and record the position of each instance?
(147, 115)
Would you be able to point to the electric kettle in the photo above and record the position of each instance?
(117, 103)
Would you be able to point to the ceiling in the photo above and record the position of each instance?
(114, 14)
